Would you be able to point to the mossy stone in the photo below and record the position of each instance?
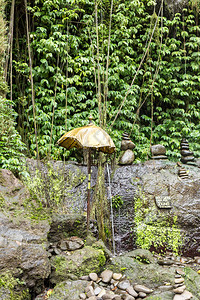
(80, 262)
(192, 282)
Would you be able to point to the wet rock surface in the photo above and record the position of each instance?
(147, 180)
(53, 250)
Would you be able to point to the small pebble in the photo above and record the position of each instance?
(117, 276)
(130, 290)
(82, 296)
(142, 294)
(123, 285)
(142, 288)
(97, 291)
(93, 276)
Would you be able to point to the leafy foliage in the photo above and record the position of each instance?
(11, 145)
(162, 105)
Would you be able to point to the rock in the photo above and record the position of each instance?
(130, 290)
(74, 243)
(100, 245)
(178, 280)
(68, 290)
(142, 273)
(117, 276)
(23, 250)
(71, 244)
(159, 157)
(84, 277)
(79, 263)
(70, 225)
(179, 290)
(82, 296)
(123, 285)
(158, 150)
(142, 255)
(142, 288)
(154, 177)
(192, 282)
(127, 158)
(142, 294)
(117, 297)
(12, 190)
(127, 144)
(107, 297)
(106, 275)
(128, 297)
(102, 293)
(186, 159)
(186, 153)
(180, 272)
(93, 276)
(97, 291)
(197, 259)
(89, 291)
(186, 295)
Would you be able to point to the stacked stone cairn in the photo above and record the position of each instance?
(182, 173)
(179, 287)
(186, 155)
(111, 285)
(127, 145)
(158, 152)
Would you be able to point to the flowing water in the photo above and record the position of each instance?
(111, 209)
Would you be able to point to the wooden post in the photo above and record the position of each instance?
(89, 187)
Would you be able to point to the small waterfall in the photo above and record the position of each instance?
(111, 209)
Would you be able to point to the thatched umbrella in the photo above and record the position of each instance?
(88, 137)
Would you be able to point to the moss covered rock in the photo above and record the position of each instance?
(80, 262)
(192, 282)
(12, 288)
(68, 290)
(151, 275)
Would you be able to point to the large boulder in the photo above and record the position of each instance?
(23, 250)
(151, 275)
(23, 241)
(75, 264)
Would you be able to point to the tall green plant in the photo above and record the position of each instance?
(64, 48)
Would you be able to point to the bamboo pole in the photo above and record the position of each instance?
(88, 192)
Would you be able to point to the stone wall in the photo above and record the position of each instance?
(151, 184)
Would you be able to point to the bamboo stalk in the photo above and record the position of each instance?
(31, 75)
(98, 68)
